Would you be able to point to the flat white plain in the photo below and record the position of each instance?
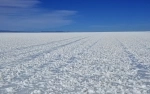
(75, 63)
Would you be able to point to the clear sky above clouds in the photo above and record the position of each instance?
(75, 15)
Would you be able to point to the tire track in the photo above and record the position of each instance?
(72, 49)
(60, 68)
(143, 71)
(24, 77)
(25, 51)
(32, 47)
(89, 47)
(75, 57)
(34, 56)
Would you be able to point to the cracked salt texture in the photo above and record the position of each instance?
(75, 63)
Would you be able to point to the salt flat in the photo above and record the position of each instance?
(75, 63)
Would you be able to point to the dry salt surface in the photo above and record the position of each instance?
(75, 63)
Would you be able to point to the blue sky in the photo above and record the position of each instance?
(75, 15)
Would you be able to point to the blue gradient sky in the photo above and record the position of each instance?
(75, 15)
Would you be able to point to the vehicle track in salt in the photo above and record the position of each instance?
(35, 54)
(76, 57)
(142, 70)
(23, 51)
(38, 45)
(19, 65)
(60, 69)
(42, 66)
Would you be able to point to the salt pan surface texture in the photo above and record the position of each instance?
(75, 63)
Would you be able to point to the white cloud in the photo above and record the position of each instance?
(23, 15)
(18, 3)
